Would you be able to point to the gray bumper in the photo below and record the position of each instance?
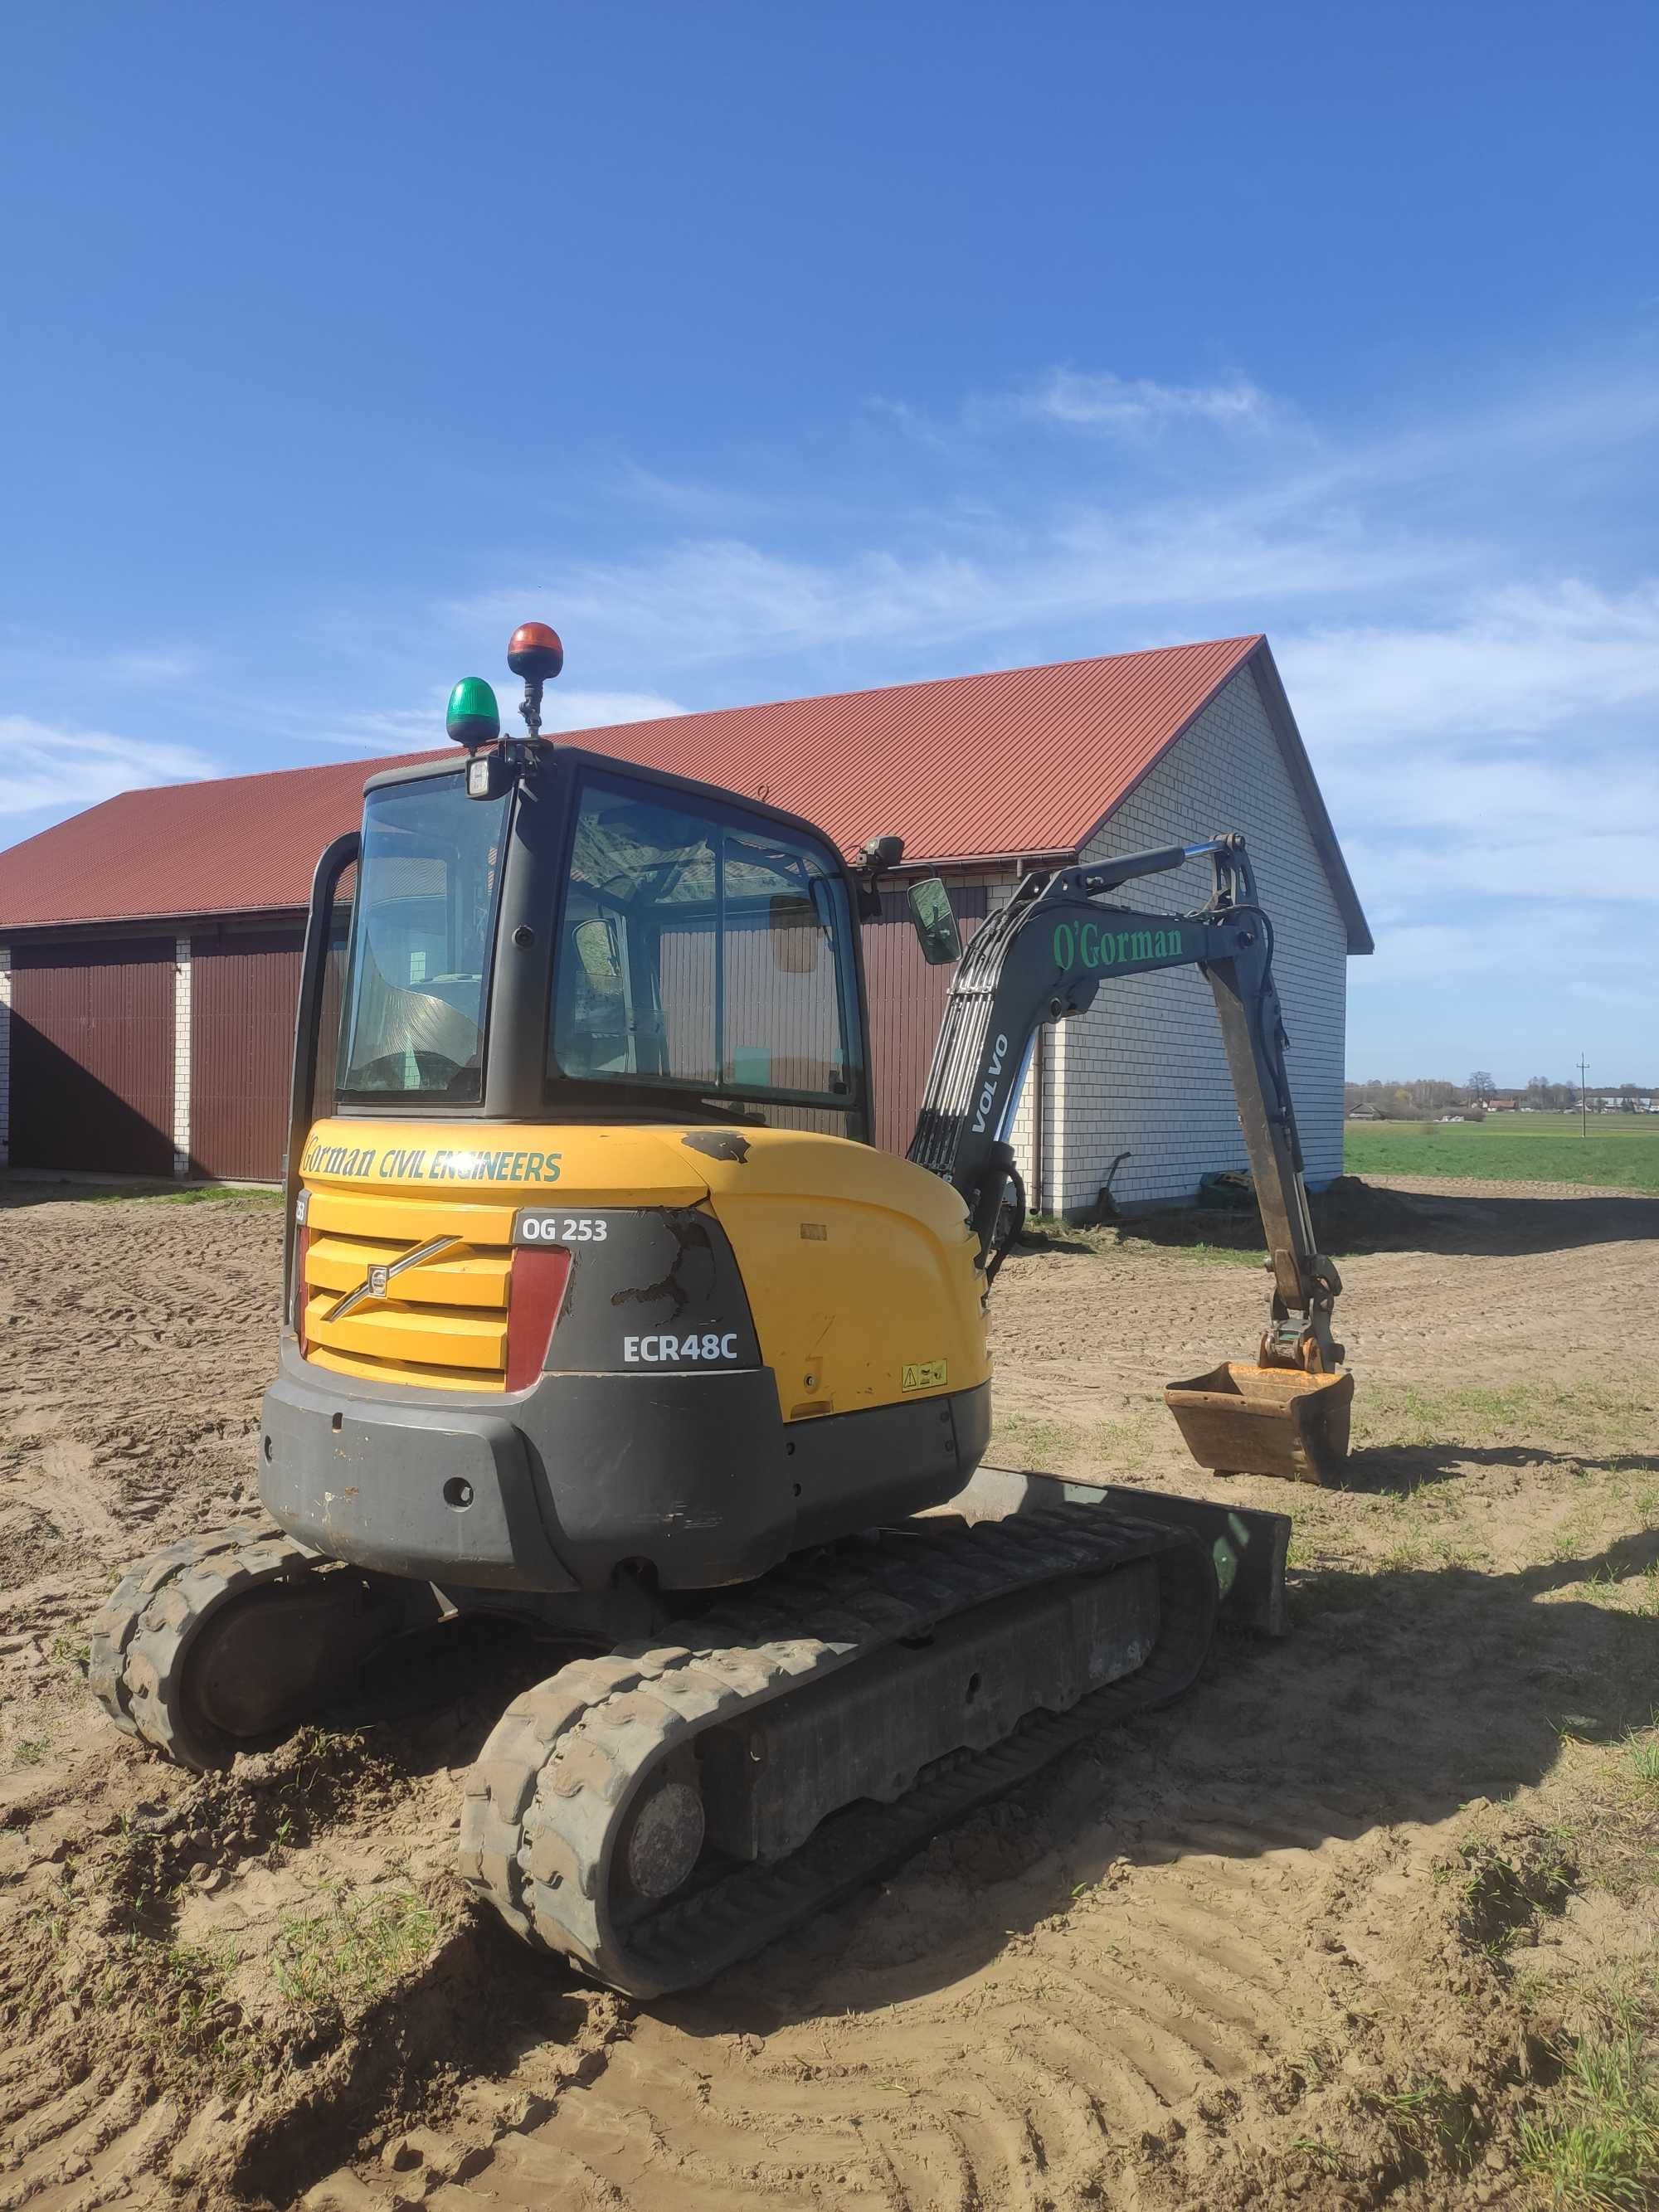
(418, 1490)
(558, 1488)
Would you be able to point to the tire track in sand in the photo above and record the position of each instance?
(904, 2064)
(73, 2148)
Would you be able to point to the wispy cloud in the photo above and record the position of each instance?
(1139, 407)
(1516, 662)
(153, 668)
(688, 502)
(1343, 545)
(707, 599)
(49, 765)
(1503, 752)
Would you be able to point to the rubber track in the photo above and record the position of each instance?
(141, 1638)
(546, 1803)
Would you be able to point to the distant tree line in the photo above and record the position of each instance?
(1427, 1097)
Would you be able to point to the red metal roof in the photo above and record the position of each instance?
(1023, 761)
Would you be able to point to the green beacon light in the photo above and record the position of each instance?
(472, 718)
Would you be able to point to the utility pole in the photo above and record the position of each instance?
(1583, 1109)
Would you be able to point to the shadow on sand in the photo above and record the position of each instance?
(1380, 1468)
(1402, 1696)
(1354, 1216)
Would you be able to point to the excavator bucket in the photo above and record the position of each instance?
(1240, 1420)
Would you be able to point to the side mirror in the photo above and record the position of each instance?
(596, 948)
(935, 924)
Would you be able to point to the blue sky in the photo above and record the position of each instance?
(771, 350)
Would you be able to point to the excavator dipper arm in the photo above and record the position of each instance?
(1044, 957)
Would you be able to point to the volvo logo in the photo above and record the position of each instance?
(375, 1282)
(987, 1096)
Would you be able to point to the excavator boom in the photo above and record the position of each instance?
(1044, 957)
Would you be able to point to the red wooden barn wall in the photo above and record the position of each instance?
(92, 1055)
(243, 989)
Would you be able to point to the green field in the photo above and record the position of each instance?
(1620, 1150)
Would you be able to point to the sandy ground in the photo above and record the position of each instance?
(1312, 1936)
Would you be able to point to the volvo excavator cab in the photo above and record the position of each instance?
(603, 1311)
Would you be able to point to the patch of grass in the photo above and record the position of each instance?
(1034, 1442)
(1450, 1553)
(1217, 1255)
(1595, 1420)
(1061, 1446)
(1642, 1743)
(29, 1750)
(1597, 2141)
(1637, 1593)
(190, 1193)
(353, 1952)
(1504, 1885)
(187, 2022)
(1620, 1151)
(1572, 1538)
(1321, 2157)
(1433, 2122)
(72, 1651)
(1403, 1558)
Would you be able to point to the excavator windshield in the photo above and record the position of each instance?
(422, 929)
(702, 950)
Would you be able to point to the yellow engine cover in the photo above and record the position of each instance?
(860, 1268)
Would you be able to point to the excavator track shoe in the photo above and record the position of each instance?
(581, 1823)
(219, 1642)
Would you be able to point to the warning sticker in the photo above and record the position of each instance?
(925, 1374)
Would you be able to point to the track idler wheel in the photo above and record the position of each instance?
(664, 1840)
(217, 1645)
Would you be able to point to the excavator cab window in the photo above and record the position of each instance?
(703, 951)
(422, 934)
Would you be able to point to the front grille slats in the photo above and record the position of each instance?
(465, 1277)
(442, 1336)
(442, 1324)
(388, 1370)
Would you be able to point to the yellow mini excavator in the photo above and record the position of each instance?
(602, 1312)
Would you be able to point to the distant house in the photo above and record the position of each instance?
(150, 947)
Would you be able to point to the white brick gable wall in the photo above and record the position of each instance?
(181, 1036)
(1144, 1070)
